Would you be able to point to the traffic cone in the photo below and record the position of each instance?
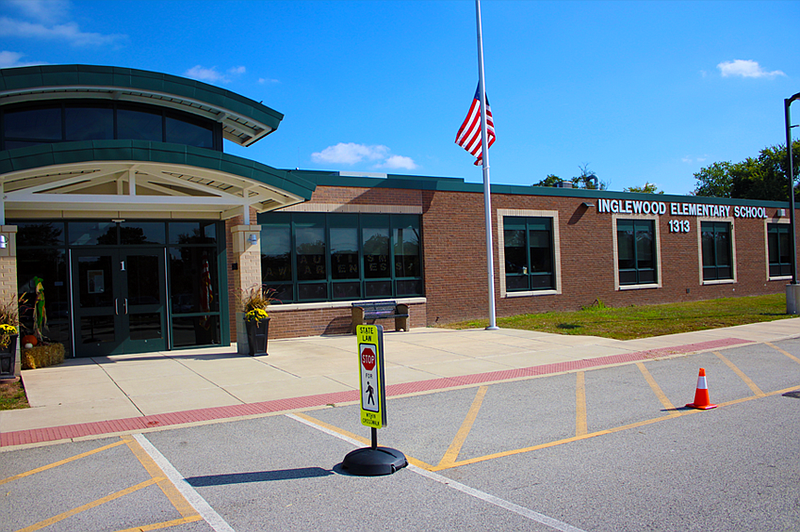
(701, 399)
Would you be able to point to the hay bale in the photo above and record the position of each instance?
(41, 356)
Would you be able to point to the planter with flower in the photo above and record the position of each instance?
(9, 333)
(256, 320)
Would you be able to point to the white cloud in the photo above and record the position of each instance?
(46, 11)
(68, 31)
(746, 69)
(351, 153)
(399, 161)
(264, 81)
(12, 59)
(237, 70)
(202, 73)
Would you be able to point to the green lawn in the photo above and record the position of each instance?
(627, 323)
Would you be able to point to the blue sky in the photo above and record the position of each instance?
(645, 91)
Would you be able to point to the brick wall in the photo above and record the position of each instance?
(454, 259)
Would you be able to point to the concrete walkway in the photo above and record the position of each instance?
(90, 396)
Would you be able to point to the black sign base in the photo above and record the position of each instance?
(372, 461)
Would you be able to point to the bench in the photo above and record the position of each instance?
(376, 310)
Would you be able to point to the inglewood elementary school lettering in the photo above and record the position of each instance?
(118, 195)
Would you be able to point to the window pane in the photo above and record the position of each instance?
(644, 246)
(351, 290)
(92, 233)
(723, 247)
(132, 233)
(193, 331)
(405, 237)
(182, 132)
(410, 287)
(344, 247)
(139, 125)
(310, 248)
(375, 238)
(541, 254)
(192, 232)
(34, 124)
(193, 290)
(516, 261)
(89, 123)
(707, 231)
(312, 292)
(375, 289)
(40, 234)
(516, 282)
(276, 256)
(625, 246)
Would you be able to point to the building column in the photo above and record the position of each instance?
(247, 273)
(8, 274)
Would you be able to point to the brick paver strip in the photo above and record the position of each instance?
(135, 424)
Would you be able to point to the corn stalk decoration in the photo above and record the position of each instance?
(39, 312)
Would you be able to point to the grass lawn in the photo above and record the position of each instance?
(12, 395)
(627, 323)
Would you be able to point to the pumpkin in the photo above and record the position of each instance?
(29, 339)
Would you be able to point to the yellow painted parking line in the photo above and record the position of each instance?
(165, 524)
(580, 404)
(451, 454)
(88, 506)
(61, 462)
(638, 424)
(773, 346)
(178, 501)
(747, 380)
(336, 430)
(657, 390)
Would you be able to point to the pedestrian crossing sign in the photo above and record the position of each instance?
(370, 364)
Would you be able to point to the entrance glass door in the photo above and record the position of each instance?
(119, 301)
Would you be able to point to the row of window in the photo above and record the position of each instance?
(530, 261)
(321, 257)
(92, 120)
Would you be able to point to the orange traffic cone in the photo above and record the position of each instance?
(701, 399)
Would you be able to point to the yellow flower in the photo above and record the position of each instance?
(256, 315)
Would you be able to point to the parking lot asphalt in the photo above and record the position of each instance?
(606, 444)
(87, 397)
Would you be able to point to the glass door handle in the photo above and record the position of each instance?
(116, 307)
(125, 305)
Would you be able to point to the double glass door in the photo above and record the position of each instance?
(119, 302)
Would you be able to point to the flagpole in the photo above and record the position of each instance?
(487, 194)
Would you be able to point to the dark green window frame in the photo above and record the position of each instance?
(780, 250)
(636, 252)
(78, 120)
(310, 257)
(529, 253)
(717, 251)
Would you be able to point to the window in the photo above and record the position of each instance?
(779, 250)
(528, 253)
(337, 257)
(636, 252)
(716, 249)
(79, 120)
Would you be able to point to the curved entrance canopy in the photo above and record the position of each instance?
(119, 178)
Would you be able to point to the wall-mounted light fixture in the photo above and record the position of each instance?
(587, 204)
(3, 242)
(253, 238)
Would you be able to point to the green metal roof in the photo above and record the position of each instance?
(244, 120)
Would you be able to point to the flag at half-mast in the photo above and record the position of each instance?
(469, 135)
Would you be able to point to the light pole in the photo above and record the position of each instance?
(792, 290)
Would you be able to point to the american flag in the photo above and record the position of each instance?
(469, 135)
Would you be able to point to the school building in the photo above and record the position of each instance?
(117, 193)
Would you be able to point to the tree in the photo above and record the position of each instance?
(648, 188)
(588, 179)
(550, 181)
(764, 177)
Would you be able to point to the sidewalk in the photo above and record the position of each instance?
(90, 396)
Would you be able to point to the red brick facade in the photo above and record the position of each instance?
(454, 255)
